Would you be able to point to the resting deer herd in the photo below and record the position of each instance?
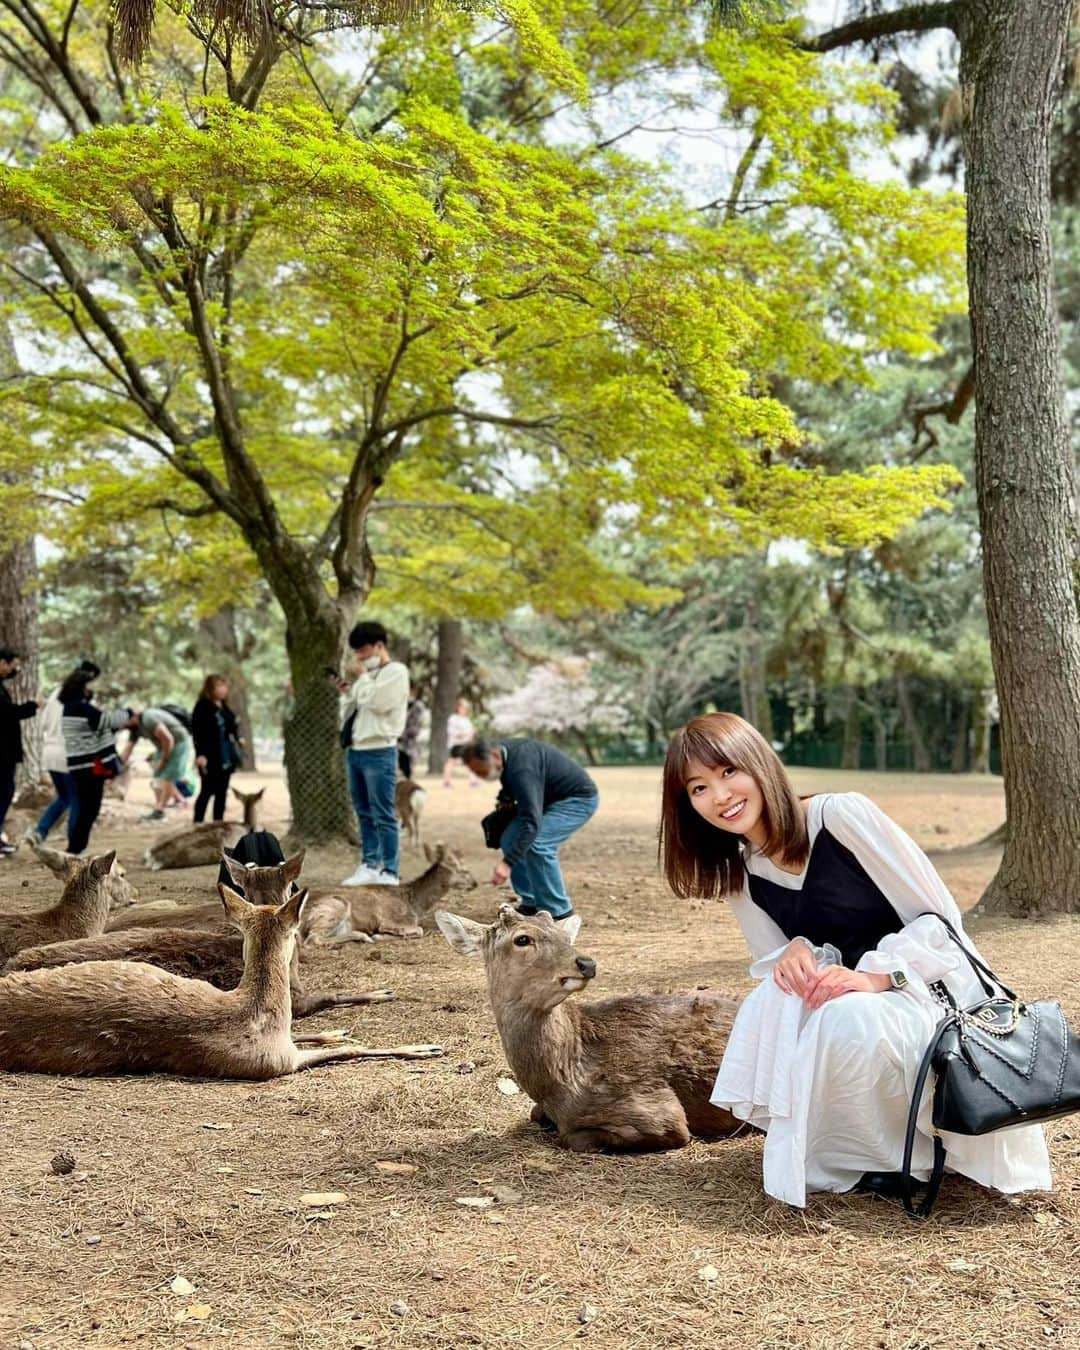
(103, 983)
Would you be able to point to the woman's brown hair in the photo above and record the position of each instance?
(207, 690)
(698, 858)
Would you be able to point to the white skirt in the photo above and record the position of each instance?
(832, 1089)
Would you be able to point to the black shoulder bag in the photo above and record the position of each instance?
(1000, 1062)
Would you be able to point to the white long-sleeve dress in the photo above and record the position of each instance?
(832, 1087)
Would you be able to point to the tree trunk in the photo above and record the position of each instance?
(220, 630)
(314, 760)
(1012, 68)
(961, 732)
(881, 734)
(980, 731)
(920, 755)
(448, 667)
(19, 629)
(849, 753)
(753, 689)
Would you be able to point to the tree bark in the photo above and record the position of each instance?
(19, 629)
(849, 751)
(1013, 60)
(920, 755)
(449, 664)
(961, 732)
(219, 629)
(753, 688)
(980, 731)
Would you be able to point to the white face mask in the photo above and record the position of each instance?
(372, 662)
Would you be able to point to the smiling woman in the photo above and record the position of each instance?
(839, 908)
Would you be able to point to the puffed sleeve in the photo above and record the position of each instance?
(907, 879)
(766, 938)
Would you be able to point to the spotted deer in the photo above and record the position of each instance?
(370, 912)
(631, 1073)
(201, 845)
(64, 865)
(81, 910)
(214, 956)
(107, 1017)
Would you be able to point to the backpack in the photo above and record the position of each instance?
(182, 715)
(259, 847)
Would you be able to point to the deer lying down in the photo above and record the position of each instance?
(64, 865)
(630, 1073)
(369, 912)
(109, 1017)
(81, 910)
(215, 957)
(201, 845)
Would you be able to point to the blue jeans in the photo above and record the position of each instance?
(371, 783)
(65, 800)
(537, 877)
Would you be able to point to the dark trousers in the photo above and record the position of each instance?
(404, 762)
(214, 783)
(7, 788)
(89, 788)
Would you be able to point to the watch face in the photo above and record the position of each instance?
(899, 979)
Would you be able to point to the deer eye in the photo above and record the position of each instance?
(522, 940)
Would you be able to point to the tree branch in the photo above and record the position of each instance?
(924, 438)
(870, 27)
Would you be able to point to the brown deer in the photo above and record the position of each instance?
(409, 799)
(217, 957)
(109, 1017)
(81, 910)
(201, 845)
(371, 912)
(631, 1073)
(64, 865)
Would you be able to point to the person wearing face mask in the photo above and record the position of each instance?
(12, 714)
(372, 714)
(841, 912)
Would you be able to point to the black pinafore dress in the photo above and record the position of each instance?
(838, 902)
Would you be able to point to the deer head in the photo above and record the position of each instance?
(266, 929)
(264, 885)
(530, 961)
(450, 861)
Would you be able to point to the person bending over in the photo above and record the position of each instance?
(553, 796)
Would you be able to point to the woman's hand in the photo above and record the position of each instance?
(831, 981)
(795, 967)
(200, 761)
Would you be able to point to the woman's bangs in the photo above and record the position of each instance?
(699, 747)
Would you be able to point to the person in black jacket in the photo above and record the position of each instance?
(217, 745)
(553, 797)
(11, 749)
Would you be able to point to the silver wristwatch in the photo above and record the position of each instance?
(897, 979)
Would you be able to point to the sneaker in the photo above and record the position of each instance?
(153, 815)
(6, 848)
(385, 878)
(363, 876)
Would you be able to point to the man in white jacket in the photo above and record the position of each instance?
(376, 704)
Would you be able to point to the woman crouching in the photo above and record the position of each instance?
(828, 892)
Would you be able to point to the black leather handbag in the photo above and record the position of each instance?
(495, 822)
(998, 1063)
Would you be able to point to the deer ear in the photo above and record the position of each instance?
(238, 795)
(235, 869)
(102, 866)
(294, 907)
(465, 936)
(257, 796)
(290, 868)
(571, 927)
(236, 907)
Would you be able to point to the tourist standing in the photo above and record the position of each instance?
(459, 731)
(54, 762)
(217, 745)
(90, 744)
(372, 718)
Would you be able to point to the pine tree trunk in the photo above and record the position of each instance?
(1012, 67)
(920, 755)
(849, 752)
(220, 630)
(961, 733)
(753, 688)
(980, 731)
(449, 665)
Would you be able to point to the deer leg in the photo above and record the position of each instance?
(657, 1122)
(540, 1117)
(320, 1037)
(307, 1059)
(339, 939)
(305, 1005)
(414, 932)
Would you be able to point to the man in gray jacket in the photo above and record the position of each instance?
(373, 708)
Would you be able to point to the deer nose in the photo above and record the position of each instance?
(586, 965)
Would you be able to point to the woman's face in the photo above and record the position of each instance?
(729, 799)
(221, 690)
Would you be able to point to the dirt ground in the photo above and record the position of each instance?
(203, 1180)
